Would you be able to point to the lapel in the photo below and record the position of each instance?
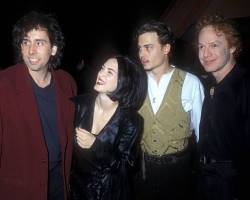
(29, 110)
(62, 109)
(28, 107)
(149, 106)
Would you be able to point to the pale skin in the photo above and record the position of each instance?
(215, 54)
(153, 55)
(104, 108)
(36, 50)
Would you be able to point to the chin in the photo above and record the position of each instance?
(147, 68)
(96, 88)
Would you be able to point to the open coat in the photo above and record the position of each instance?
(23, 151)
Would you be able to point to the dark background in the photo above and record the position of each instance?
(92, 29)
(87, 25)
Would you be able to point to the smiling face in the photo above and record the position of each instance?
(214, 52)
(36, 50)
(107, 77)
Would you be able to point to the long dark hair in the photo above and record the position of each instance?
(132, 83)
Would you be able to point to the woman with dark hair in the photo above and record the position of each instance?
(107, 131)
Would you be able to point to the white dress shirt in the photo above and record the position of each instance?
(192, 96)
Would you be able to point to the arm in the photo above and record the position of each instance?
(1, 136)
(1, 133)
(130, 133)
(192, 99)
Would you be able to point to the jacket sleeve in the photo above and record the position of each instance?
(1, 138)
(130, 133)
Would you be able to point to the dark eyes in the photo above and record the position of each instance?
(37, 43)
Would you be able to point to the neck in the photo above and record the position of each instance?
(104, 103)
(221, 74)
(41, 78)
(159, 71)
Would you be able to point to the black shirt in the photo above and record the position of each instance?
(46, 101)
(224, 126)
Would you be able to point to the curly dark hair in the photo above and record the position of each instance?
(226, 26)
(37, 20)
(132, 84)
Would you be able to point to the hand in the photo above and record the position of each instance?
(84, 138)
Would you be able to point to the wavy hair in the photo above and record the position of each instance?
(37, 20)
(222, 25)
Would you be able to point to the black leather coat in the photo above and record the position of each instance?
(103, 171)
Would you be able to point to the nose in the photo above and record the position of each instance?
(141, 53)
(32, 49)
(206, 52)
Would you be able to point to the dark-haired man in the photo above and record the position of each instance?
(171, 112)
(36, 115)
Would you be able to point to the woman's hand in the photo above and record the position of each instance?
(84, 138)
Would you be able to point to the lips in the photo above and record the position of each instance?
(33, 60)
(209, 62)
(99, 81)
(143, 61)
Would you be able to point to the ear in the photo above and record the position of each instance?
(166, 49)
(54, 50)
(232, 50)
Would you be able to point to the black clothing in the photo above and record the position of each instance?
(224, 144)
(102, 172)
(55, 183)
(46, 101)
(166, 177)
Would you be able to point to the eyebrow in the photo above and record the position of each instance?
(37, 40)
(146, 45)
(216, 41)
(111, 69)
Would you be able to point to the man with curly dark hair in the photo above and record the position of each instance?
(36, 115)
(224, 144)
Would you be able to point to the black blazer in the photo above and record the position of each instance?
(103, 171)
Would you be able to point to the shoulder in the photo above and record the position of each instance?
(10, 75)
(65, 80)
(242, 81)
(61, 74)
(189, 77)
(84, 99)
(10, 71)
(192, 82)
(192, 78)
(132, 116)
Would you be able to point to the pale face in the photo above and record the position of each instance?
(152, 54)
(214, 52)
(36, 50)
(107, 77)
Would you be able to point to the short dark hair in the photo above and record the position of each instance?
(132, 83)
(37, 20)
(163, 31)
(221, 24)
